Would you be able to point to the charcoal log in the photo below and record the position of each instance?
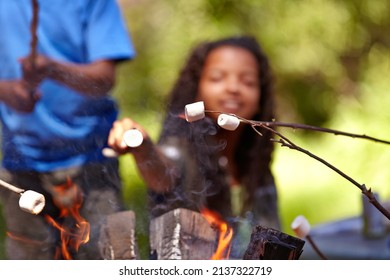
(271, 244)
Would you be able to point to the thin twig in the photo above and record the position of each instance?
(321, 129)
(315, 247)
(285, 142)
(305, 127)
(33, 30)
(11, 187)
(34, 39)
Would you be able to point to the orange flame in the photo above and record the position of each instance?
(23, 239)
(69, 200)
(225, 234)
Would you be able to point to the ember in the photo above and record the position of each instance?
(225, 234)
(78, 232)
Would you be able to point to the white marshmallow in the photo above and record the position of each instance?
(133, 138)
(228, 122)
(32, 202)
(110, 153)
(194, 111)
(301, 226)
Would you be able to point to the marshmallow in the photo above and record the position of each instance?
(32, 202)
(110, 153)
(301, 226)
(194, 111)
(228, 122)
(133, 138)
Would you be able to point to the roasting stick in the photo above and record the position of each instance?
(195, 111)
(33, 30)
(30, 201)
(132, 138)
(34, 37)
(11, 187)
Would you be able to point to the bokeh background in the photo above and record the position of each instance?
(331, 61)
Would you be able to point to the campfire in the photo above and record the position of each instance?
(77, 232)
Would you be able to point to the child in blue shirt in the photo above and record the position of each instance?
(56, 117)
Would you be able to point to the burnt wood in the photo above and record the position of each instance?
(271, 244)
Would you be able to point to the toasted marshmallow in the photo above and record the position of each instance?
(228, 122)
(133, 138)
(194, 111)
(300, 226)
(32, 202)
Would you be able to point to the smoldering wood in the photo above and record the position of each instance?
(271, 244)
(117, 237)
(182, 234)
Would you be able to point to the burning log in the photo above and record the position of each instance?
(117, 237)
(182, 234)
(271, 244)
(30, 201)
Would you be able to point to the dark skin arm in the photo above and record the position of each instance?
(94, 79)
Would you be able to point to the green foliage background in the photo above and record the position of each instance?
(331, 60)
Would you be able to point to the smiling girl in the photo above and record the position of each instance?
(205, 166)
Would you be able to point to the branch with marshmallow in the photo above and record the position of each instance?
(29, 201)
(196, 111)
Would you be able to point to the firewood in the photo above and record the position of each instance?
(271, 244)
(117, 237)
(182, 234)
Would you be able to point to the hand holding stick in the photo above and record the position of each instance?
(131, 138)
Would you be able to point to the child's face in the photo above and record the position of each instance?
(230, 82)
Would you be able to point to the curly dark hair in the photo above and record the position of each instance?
(254, 157)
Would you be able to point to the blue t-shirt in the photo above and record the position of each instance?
(66, 128)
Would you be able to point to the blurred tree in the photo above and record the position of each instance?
(317, 48)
